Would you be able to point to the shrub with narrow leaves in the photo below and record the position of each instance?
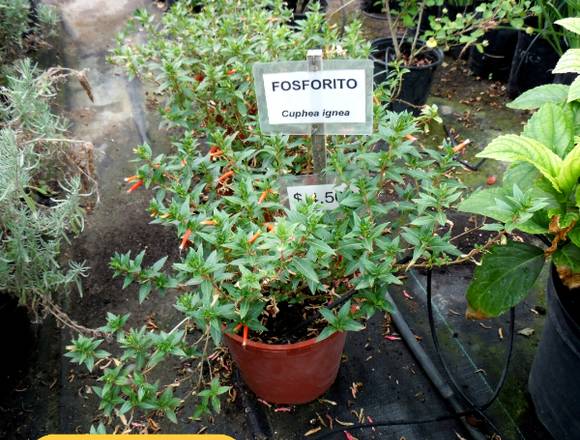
(244, 253)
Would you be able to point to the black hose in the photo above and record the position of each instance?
(507, 360)
(474, 408)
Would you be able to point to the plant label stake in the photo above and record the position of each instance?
(317, 99)
(314, 57)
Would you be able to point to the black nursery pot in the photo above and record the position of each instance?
(532, 64)
(375, 12)
(301, 14)
(14, 320)
(496, 60)
(416, 84)
(554, 381)
(372, 9)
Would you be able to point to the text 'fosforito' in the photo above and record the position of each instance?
(332, 96)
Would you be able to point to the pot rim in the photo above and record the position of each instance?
(260, 346)
(437, 52)
(374, 15)
(557, 284)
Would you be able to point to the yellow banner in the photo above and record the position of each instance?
(139, 436)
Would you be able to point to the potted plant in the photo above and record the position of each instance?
(252, 270)
(541, 44)
(418, 51)
(539, 197)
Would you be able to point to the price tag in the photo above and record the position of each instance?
(325, 194)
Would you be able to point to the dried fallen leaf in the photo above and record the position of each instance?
(283, 409)
(330, 402)
(84, 82)
(330, 420)
(526, 332)
(340, 422)
(500, 333)
(371, 421)
(392, 337)
(263, 402)
(354, 388)
(349, 436)
(313, 431)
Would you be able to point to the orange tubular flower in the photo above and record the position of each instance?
(135, 186)
(264, 195)
(237, 328)
(245, 336)
(410, 138)
(225, 176)
(215, 150)
(208, 222)
(131, 178)
(185, 239)
(215, 153)
(231, 72)
(269, 227)
(254, 237)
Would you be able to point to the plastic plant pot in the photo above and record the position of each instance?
(288, 373)
(532, 64)
(416, 84)
(374, 11)
(554, 381)
(496, 60)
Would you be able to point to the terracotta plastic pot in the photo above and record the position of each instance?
(290, 373)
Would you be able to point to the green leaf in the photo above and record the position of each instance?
(568, 257)
(570, 170)
(328, 315)
(504, 278)
(353, 326)
(170, 414)
(305, 268)
(574, 235)
(325, 333)
(538, 96)
(513, 148)
(552, 127)
(522, 174)
(569, 62)
(484, 202)
(571, 23)
(144, 291)
(574, 93)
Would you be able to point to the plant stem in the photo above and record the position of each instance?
(416, 37)
(392, 31)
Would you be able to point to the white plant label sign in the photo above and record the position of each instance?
(332, 96)
(292, 98)
(325, 194)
